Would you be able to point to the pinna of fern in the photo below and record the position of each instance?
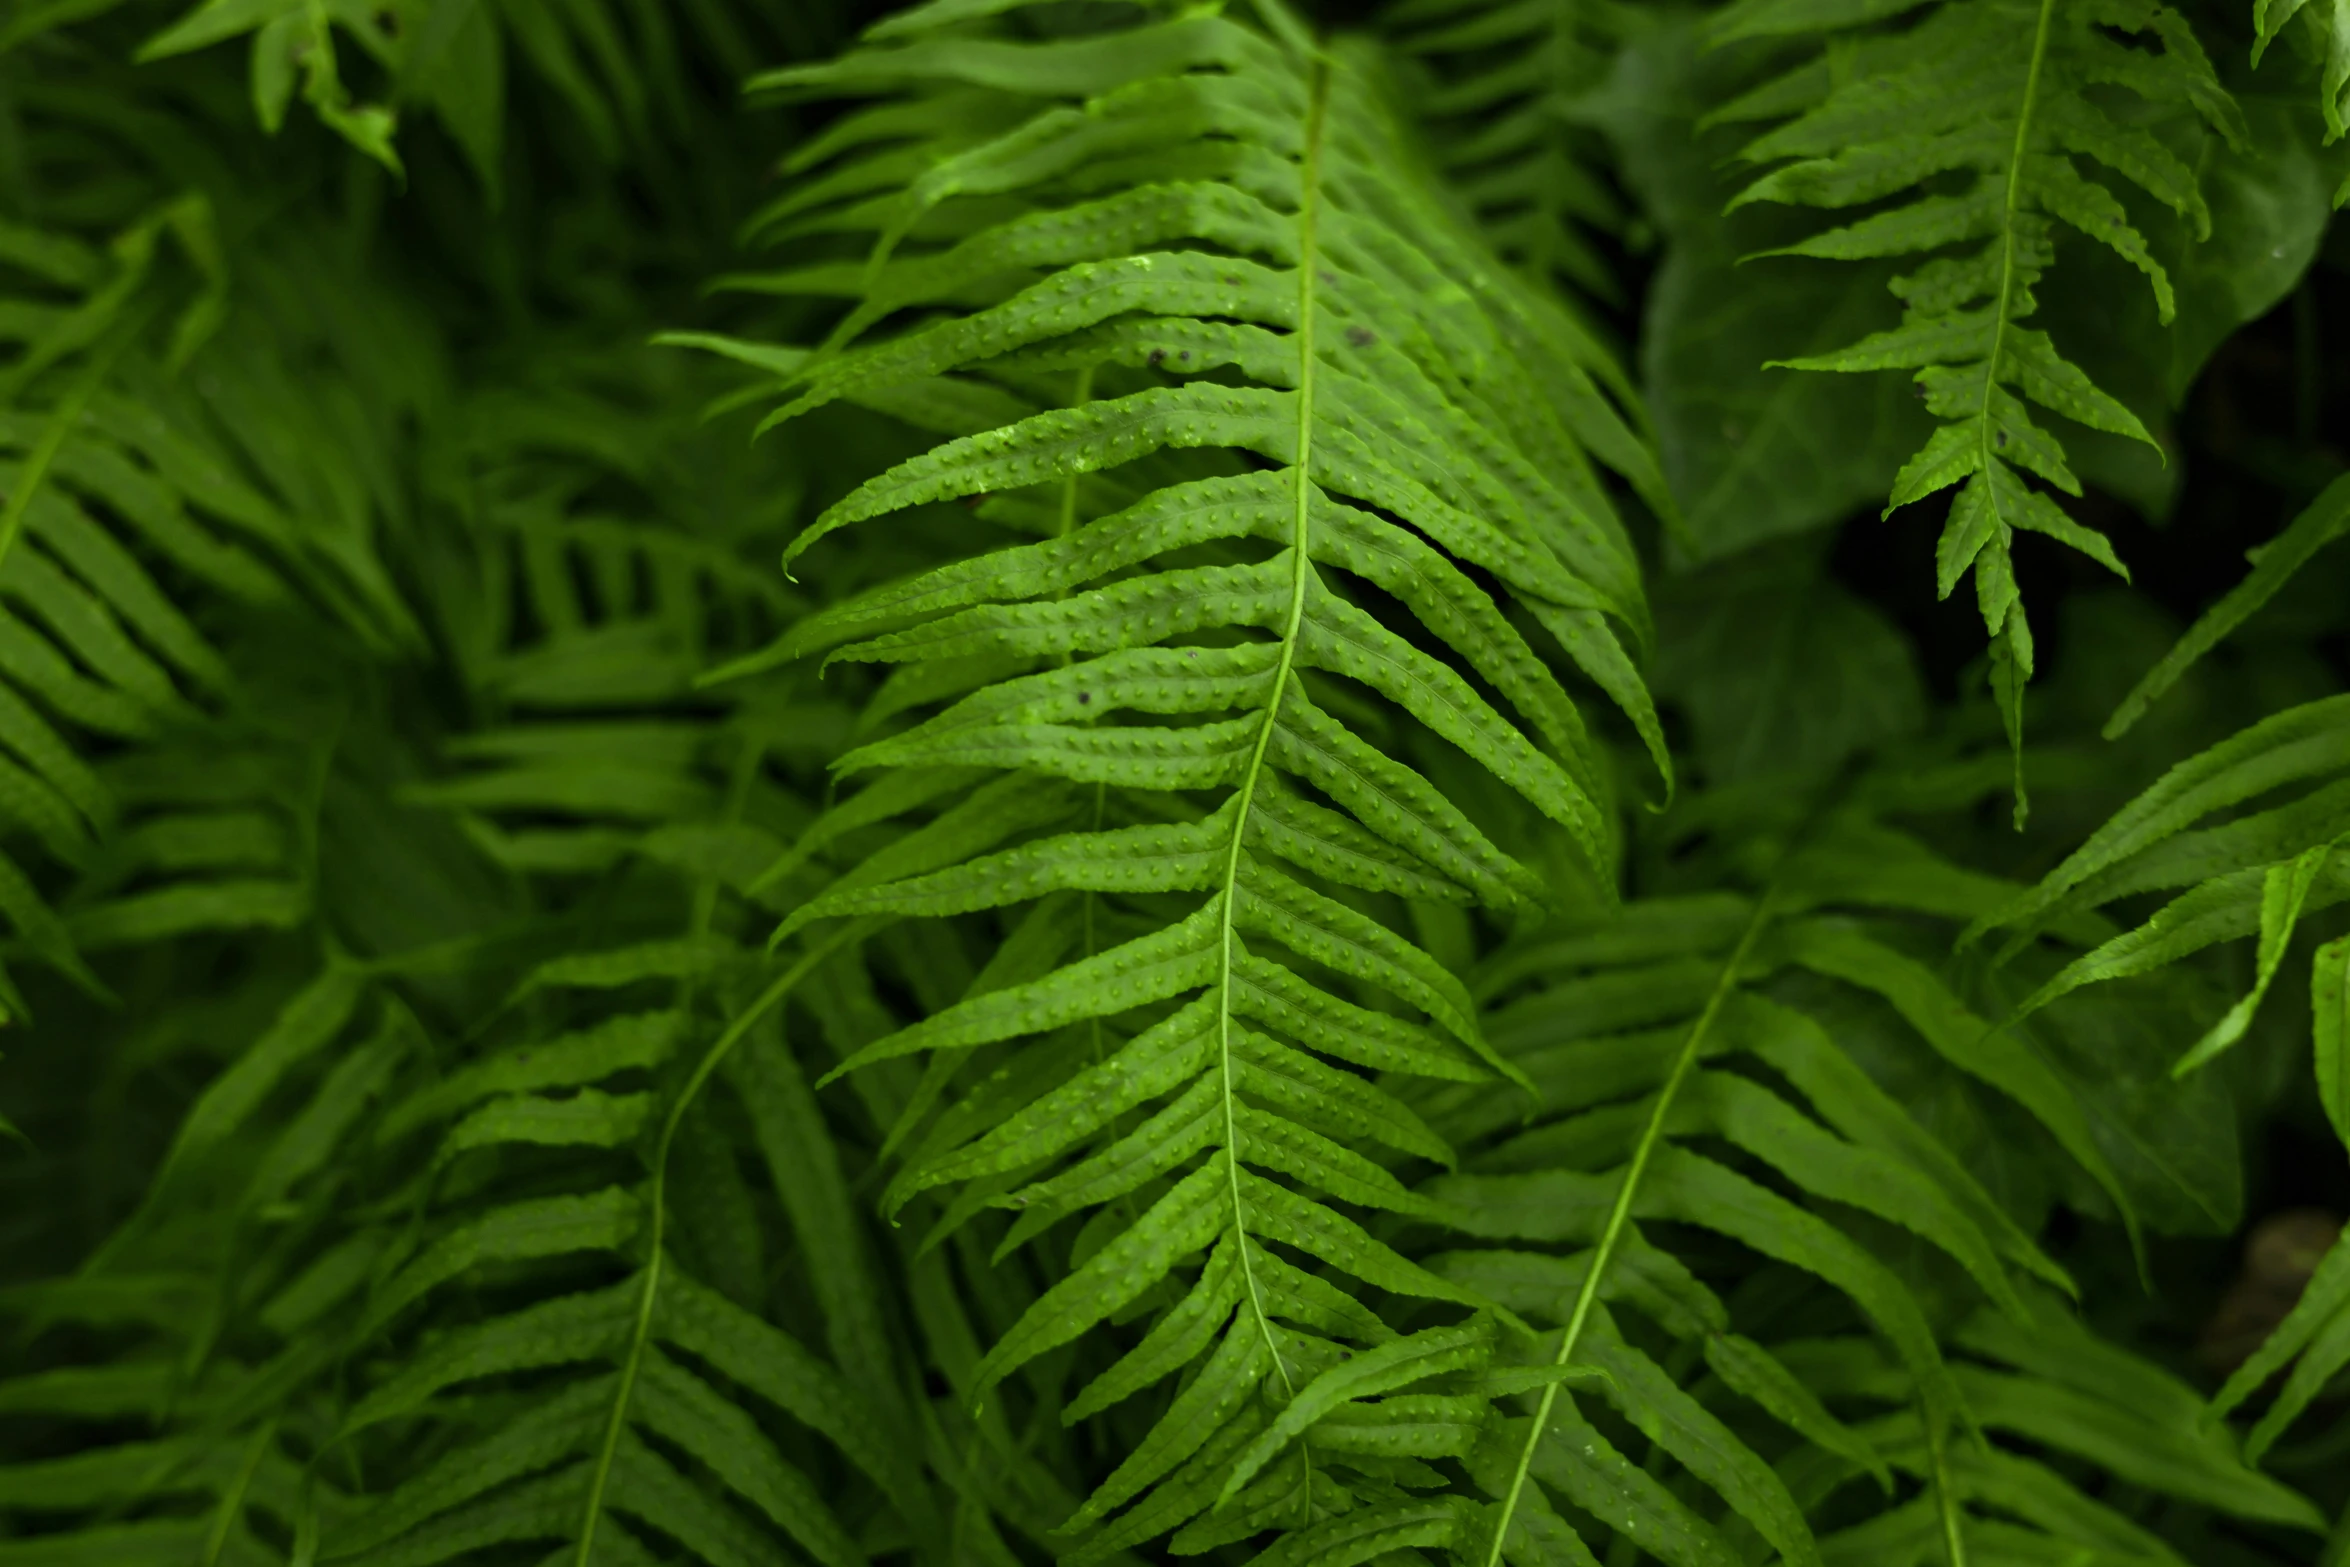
(1991, 127)
(1266, 405)
(2323, 34)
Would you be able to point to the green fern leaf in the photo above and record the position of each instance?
(1607, 1160)
(1998, 100)
(1248, 283)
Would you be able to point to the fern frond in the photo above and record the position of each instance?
(654, 1442)
(1687, 1021)
(1988, 126)
(183, 1440)
(1507, 79)
(1293, 398)
(130, 514)
(294, 41)
(2048, 1382)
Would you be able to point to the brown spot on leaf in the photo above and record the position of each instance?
(1361, 336)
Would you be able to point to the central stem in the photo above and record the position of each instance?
(2013, 205)
(1620, 1215)
(1301, 581)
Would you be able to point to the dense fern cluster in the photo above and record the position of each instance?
(1028, 802)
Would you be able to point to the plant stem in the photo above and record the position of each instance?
(1620, 1215)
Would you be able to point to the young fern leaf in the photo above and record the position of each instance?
(1304, 400)
(1988, 126)
(295, 40)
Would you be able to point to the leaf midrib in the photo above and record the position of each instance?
(1985, 455)
(1301, 578)
(1620, 1214)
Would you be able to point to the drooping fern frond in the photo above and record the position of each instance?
(2244, 872)
(1506, 79)
(2311, 1346)
(1297, 405)
(1991, 128)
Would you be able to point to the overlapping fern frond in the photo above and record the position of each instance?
(1506, 79)
(1693, 1084)
(2250, 863)
(648, 1399)
(1991, 129)
(1296, 408)
(1114, 1036)
(2242, 840)
(150, 525)
(628, 1389)
(182, 1438)
(402, 1288)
